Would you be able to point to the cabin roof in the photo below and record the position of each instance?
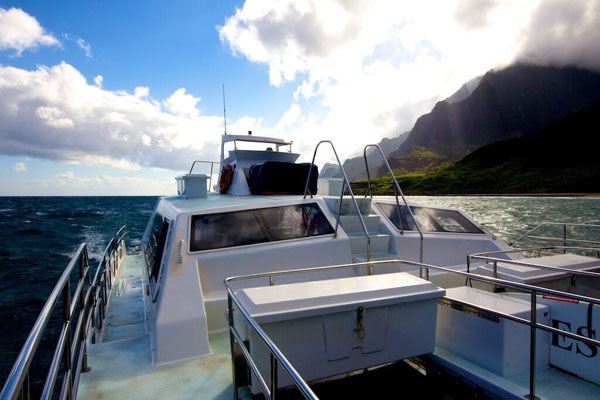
(255, 139)
(215, 201)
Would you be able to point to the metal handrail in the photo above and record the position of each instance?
(89, 302)
(488, 257)
(564, 238)
(345, 183)
(397, 190)
(212, 163)
(533, 290)
(277, 357)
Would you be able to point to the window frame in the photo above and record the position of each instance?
(482, 231)
(154, 283)
(270, 242)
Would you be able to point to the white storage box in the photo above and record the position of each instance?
(192, 185)
(531, 275)
(331, 327)
(329, 186)
(497, 344)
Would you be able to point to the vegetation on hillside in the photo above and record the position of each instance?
(560, 159)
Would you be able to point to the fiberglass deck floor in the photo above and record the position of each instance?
(121, 366)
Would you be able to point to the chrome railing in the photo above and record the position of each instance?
(276, 356)
(397, 190)
(564, 237)
(532, 322)
(212, 163)
(83, 312)
(345, 183)
(490, 257)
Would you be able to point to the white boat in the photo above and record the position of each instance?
(283, 281)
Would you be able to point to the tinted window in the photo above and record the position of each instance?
(156, 245)
(452, 221)
(428, 219)
(238, 228)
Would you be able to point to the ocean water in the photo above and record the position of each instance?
(39, 234)
(37, 238)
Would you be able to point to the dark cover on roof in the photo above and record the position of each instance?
(275, 177)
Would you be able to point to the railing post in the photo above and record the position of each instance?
(398, 190)
(495, 275)
(368, 191)
(232, 345)
(532, 346)
(25, 389)
(399, 210)
(564, 238)
(66, 298)
(84, 364)
(274, 379)
(337, 219)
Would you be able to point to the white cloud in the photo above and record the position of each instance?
(290, 117)
(20, 167)
(182, 103)
(54, 113)
(66, 176)
(141, 91)
(20, 31)
(564, 32)
(71, 184)
(86, 47)
(98, 80)
(53, 117)
(375, 66)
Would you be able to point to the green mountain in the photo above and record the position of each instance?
(516, 101)
(563, 158)
(355, 167)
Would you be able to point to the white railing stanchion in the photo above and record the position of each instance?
(347, 182)
(397, 190)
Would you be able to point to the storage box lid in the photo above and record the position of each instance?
(304, 299)
(518, 273)
(502, 303)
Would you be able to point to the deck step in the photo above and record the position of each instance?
(351, 223)
(384, 268)
(379, 243)
(362, 257)
(348, 207)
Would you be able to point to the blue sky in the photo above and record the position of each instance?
(153, 43)
(118, 97)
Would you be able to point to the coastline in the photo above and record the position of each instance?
(577, 195)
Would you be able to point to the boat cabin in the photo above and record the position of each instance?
(263, 222)
(288, 278)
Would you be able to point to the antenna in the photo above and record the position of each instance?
(224, 112)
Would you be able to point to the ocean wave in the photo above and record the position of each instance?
(33, 231)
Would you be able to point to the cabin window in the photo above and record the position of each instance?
(239, 228)
(428, 219)
(156, 245)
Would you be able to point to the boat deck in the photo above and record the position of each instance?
(551, 383)
(121, 366)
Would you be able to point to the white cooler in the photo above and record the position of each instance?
(330, 327)
(537, 276)
(491, 342)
